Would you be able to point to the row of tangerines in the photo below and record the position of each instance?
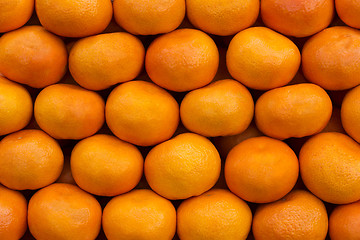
(183, 60)
(64, 211)
(84, 17)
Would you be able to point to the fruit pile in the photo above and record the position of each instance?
(126, 119)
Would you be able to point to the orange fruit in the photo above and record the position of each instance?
(101, 61)
(261, 169)
(216, 214)
(15, 13)
(16, 106)
(211, 110)
(224, 17)
(184, 166)
(350, 113)
(29, 159)
(13, 213)
(349, 12)
(330, 58)
(344, 222)
(226, 143)
(298, 18)
(32, 56)
(262, 59)
(182, 60)
(145, 17)
(293, 111)
(64, 211)
(106, 166)
(299, 215)
(67, 111)
(78, 18)
(142, 113)
(140, 214)
(330, 167)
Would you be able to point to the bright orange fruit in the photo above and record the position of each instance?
(182, 60)
(222, 17)
(104, 165)
(350, 113)
(293, 111)
(184, 166)
(344, 222)
(140, 214)
(32, 56)
(16, 106)
(330, 167)
(68, 111)
(330, 58)
(349, 12)
(78, 18)
(100, 61)
(141, 113)
(211, 110)
(297, 216)
(29, 159)
(15, 13)
(13, 214)
(261, 169)
(64, 211)
(298, 18)
(216, 214)
(145, 17)
(262, 59)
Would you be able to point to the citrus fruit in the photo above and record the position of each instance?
(15, 13)
(262, 59)
(222, 17)
(297, 216)
(142, 113)
(31, 55)
(298, 18)
(293, 111)
(349, 12)
(13, 214)
(330, 167)
(63, 211)
(211, 110)
(29, 159)
(78, 18)
(182, 60)
(67, 111)
(330, 58)
(216, 214)
(106, 166)
(344, 222)
(145, 17)
(140, 214)
(350, 113)
(16, 106)
(261, 169)
(100, 61)
(184, 166)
